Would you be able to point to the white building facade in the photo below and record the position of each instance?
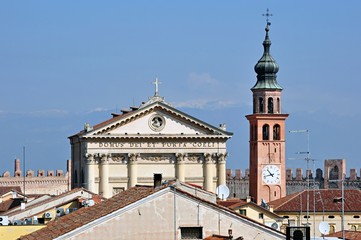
(151, 143)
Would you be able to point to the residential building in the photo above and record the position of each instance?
(171, 211)
(311, 207)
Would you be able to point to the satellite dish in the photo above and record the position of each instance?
(222, 191)
(324, 228)
(274, 225)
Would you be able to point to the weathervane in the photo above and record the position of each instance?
(267, 15)
(156, 83)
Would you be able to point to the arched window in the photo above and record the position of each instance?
(278, 105)
(276, 132)
(265, 132)
(261, 105)
(270, 105)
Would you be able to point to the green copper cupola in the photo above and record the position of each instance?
(266, 68)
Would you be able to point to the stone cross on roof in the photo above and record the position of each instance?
(156, 83)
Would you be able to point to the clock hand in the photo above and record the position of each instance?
(270, 173)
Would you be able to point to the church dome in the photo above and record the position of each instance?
(266, 68)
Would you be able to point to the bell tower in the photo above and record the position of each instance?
(267, 180)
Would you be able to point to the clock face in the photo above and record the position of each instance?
(271, 174)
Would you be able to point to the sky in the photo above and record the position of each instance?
(64, 63)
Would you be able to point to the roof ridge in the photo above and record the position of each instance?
(289, 199)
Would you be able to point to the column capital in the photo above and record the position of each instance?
(208, 157)
(104, 158)
(89, 158)
(133, 157)
(221, 157)
(180, 157)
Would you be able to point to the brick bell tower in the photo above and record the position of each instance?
(267, 180)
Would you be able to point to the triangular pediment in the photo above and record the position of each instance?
(156, 119)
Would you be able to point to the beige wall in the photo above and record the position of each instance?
(14, 232)
(155, 219)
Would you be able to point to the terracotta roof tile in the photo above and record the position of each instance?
(349, 235)
(328, 200)
(9, 204)
(231, 202)
(50, 200)
(4, 190)
(83, 216)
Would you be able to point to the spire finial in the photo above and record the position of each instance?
(267, 15)
(156, 83)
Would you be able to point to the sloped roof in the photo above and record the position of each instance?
(121, 119)
(230, 202)
(349, 235)
(7, 189)
(46, 201)
(84, 216)
(328, 200)
(9, 204)
(235, 204)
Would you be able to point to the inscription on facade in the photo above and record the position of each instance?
(157, 145)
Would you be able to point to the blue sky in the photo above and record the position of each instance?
(64, 63)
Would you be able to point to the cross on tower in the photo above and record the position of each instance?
(156, 83)
(267, 14)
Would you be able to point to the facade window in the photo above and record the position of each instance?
(265, 132)
(243, 212)
(276, 132)
(332, 228)
(191, 233)
(270, 105)
(260, 215)
(261, 105)
(278, 105)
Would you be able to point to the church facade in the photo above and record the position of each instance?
(153, 142)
